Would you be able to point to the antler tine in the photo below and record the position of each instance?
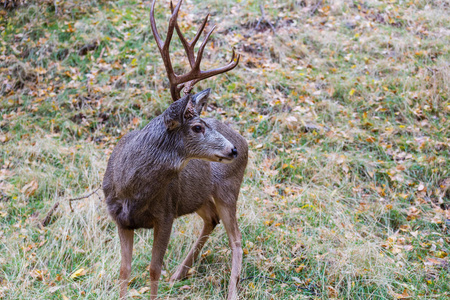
(189, 46)
(201, 49)
(172, 24)
(199, 32)
(210, 73)
(186, 81)
(164, 46)
(158, 40)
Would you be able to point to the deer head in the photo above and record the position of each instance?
(199, 140)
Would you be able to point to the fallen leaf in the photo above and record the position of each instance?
(403, 295)
(370, 139)
(30, 188)
(54, 289)
(78, 273)
(296, 279)
(332, 292)
(421, 187)
(185, 287)
(300, 268)
(38, 274)
(4, 137)
(133, 293)
(144, 289)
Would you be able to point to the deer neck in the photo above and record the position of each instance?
(164, 151)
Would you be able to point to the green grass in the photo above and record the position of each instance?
(346, 111)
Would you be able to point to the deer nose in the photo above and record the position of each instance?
(234, 152)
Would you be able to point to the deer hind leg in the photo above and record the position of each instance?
(161, 233)
(227, 213)
(210, 218)
(126, 249)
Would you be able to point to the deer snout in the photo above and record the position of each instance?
(233, 153)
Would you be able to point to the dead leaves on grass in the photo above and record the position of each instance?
(30, 188)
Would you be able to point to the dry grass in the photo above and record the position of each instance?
(346, 111)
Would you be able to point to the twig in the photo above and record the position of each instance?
(101, 54)
(50, 213)
(316, 7)
(48, 217)
(83, 197)
(263, 17)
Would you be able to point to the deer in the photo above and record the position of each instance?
(178, 164)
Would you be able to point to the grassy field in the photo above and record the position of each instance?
(345, 105)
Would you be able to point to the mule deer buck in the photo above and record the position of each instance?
(176, 165)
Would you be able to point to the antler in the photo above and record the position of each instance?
(188, 80)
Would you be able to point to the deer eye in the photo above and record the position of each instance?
(197, 128)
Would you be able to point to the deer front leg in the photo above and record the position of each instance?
(227, 213)
(126, 250)
(161, 236)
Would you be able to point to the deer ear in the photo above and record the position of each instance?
(200, 100)
(175, 114)
(189, 110)
(171, 124)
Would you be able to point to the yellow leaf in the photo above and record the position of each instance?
(352, 91)
(300, 268)
(38, 274)
(403, 295)
(206, 253)
(78, 273)
(441, 254)
(370, 139)
(268, 222)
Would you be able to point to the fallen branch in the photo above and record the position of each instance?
(83, 197)
(263, 17)
(49, 215)
(313, 11)
(88, 47)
